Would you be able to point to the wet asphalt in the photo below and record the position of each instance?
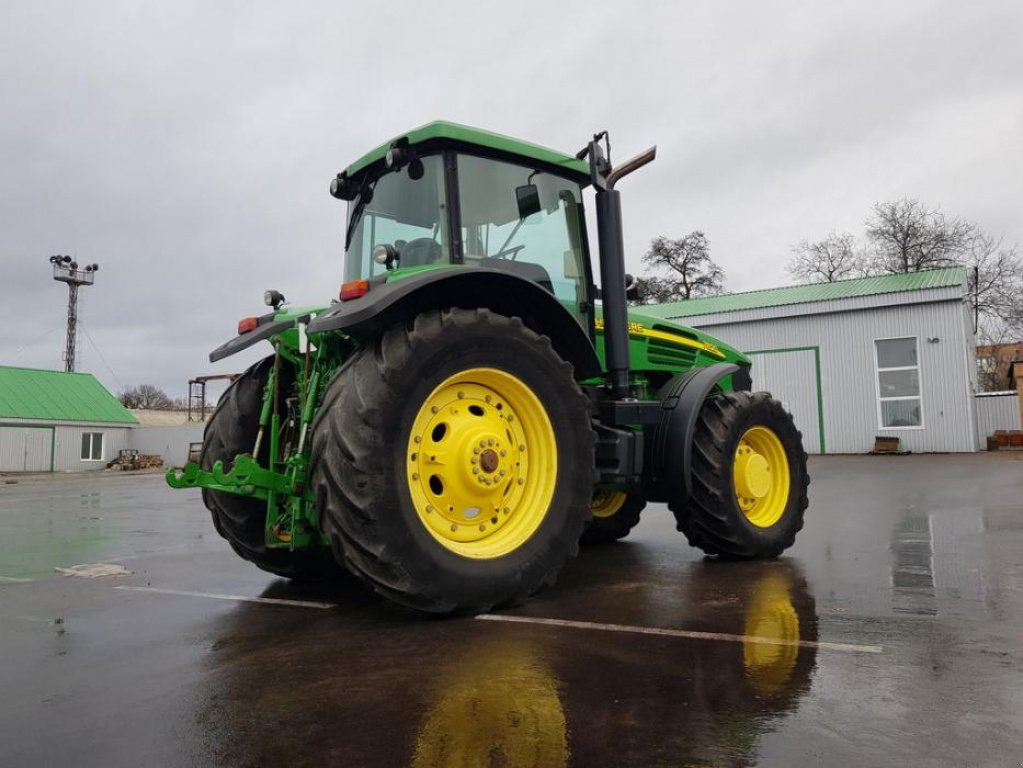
(892, 633)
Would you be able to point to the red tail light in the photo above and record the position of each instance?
(354, 289)
(247, 324)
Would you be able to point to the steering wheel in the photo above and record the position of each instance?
(418, 252)
(514, 251)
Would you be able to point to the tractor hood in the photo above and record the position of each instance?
(656, 344)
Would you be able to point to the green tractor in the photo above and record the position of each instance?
(471, 407)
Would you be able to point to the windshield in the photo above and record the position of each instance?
(407, 214)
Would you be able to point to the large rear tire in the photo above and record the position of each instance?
(452, 462)
(615, 514)
(232, 430)
(749, 479)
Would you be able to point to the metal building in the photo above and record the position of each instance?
(55, 421)
(852, 360)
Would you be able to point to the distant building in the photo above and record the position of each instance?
(877, 356)
(995, 365)
(55, 421)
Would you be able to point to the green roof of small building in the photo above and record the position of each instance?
(441, 129)
(37, 395)
(803, 294)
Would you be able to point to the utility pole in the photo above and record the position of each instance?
(65, 270)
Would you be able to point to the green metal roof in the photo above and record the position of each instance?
(29, 393)
(804, 294)
(440, 129)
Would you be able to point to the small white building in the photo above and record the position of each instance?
(56, 421)
(885, 356)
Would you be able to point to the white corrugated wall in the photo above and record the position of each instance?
(169, 442)
(68, 447)
(845, 338)
(996, 412)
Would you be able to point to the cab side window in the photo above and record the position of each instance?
(517, 213)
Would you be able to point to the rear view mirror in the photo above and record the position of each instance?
(528, 198)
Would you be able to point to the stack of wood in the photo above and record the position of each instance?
(132, 460)
(885, 444)
(1005, 440)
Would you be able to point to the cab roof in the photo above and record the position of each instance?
(442, 132)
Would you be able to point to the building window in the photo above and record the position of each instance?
(92, 446)
(898, 384)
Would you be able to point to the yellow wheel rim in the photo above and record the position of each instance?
(482, 463)
(760, 476)
(771, 616)
(607, 503)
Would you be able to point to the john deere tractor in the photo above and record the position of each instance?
(471, 406)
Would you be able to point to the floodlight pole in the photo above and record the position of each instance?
(65, 270)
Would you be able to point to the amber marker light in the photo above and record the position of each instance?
(247, 324)
(354, 289)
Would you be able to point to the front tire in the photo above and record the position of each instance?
(241, 520)
(749, 479)
(453, 462)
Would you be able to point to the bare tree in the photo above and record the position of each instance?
(825, 261)
(995, 289)
(907, 236)
(682, 269)
(145, 396)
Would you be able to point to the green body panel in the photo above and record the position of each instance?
(443, 130)
(28, 393)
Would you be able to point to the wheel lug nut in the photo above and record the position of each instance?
(490, 442)
(429, 508)
(461, 395)
(434, 409)
(475, 450)
(487, 398)
(502, 473)
(504, 453)
(474, 460)
(521, 481)
(522, 447)
(418, 439)
(475, 470)
(483, 443)
(415, 475)
(454, 527)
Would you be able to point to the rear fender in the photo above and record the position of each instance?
(398, 301)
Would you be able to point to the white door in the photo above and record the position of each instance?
(791, 376)
(25, 449)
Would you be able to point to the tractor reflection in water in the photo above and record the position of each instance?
(364, 685)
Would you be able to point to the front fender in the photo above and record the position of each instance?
(669, 444)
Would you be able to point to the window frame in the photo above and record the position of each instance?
(877, 383)
(92, 440)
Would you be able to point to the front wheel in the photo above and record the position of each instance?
(749, 478)
(453, 462)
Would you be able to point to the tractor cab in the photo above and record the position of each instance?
(442, 202)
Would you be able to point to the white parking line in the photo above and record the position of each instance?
(846, 647)
(236, 598)
(13, 580)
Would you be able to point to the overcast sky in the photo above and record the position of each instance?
(187, 147)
